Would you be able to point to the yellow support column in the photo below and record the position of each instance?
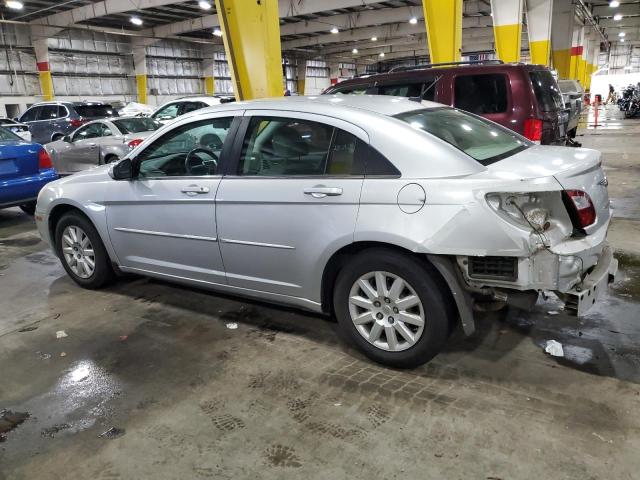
(507, 28)
(561, 36)
(208, 67)
(251, 34)
(539, 30)
(576, 53)
(140, 69)
(44, 70)
(443, 19)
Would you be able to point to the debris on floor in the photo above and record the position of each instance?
(554, 348)
(553, 312)
(232, 325)
(113, 432)
(43, 356)
(61, 334)
(10, 420)
(54, 429)
(28, 328)
(63, 354)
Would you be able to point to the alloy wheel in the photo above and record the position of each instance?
(78, 251)
(386, 311)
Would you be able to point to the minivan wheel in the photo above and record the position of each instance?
(81, 251)
(28, 208)
(392, 308)
(56, 136)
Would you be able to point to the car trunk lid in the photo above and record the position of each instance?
(18, 159)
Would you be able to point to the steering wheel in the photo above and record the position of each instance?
(189, 161)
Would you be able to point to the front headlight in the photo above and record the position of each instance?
(525, 210)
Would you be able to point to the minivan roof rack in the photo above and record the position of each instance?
(445, 64)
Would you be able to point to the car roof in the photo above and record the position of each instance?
(331, 104)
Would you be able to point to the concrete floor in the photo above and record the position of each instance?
(282, 396)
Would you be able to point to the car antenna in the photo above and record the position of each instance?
(424, 90)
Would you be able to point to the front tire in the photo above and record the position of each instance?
(392, 306)
(56, 136)
(81, 251)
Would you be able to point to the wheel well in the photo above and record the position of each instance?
(341, 257)
(55, 216)
(110, 157)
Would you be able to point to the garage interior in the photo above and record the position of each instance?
(154, 380)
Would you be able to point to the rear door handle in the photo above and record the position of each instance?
(320, 191)
(195, 190)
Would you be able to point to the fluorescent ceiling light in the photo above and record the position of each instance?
(334, 30)
(382, 54)
(204, 5)
(614, 4)
(374, 39)
(14, 4)
(355, 50)
(136, 20)
(617, 17)
(622, 34)
(413, 20)
(217, 32)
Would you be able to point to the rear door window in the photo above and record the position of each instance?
(31, 114)
(48, 112)
(425, 90)
(192, 106)
(546, 90)
(481, 94)
(354, 90)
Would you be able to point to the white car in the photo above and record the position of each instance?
(394, 215)
(169, 111)
(18, 128)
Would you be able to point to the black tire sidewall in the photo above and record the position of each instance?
(422, 279)
(103, 272)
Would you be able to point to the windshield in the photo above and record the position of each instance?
(7, 136)
(546, 90)
(96, 110)
(137, 125)
(482, 140)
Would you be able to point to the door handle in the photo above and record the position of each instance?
(320, 191)
(195, 190)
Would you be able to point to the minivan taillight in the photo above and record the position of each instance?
(134, 143)
(75, 122)
(44, 160)
(584, 209)
(533, 129)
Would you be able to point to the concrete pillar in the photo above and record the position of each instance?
(301, 76)
(251, 35)
(576, 52)
(539, 30)
(44, 70)
(562, 27)
(208, 68)
(443, 19)
(140, 69)
(507, 28)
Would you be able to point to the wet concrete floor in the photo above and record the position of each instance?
(151, 383)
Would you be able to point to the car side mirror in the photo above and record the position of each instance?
(123, 170)
(66, 138)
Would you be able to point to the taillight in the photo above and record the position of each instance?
(533, 129)
(134, 143)
(584, 209)
(75, 122)
(44, 160)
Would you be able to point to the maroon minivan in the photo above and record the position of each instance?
(524, 98)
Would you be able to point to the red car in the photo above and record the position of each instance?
(523, 98)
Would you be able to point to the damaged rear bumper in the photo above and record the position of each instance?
(584, 295)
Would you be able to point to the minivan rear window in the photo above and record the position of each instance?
(546, 90)
(484, 141)
(425, 90)
(481, 94)
(96, 111)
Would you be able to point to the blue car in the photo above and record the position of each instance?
(25, 168)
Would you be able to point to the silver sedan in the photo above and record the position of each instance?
(393, 215)
(99, 142)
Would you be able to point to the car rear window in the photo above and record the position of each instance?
(136, 125)
(481, 94)
(546, 90)
(96, 111)
(7, 136)
(481, 139)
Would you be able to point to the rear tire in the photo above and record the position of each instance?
(56, 136)
(391, 325)
(110, 159)
(81, 251)
(29, 208)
